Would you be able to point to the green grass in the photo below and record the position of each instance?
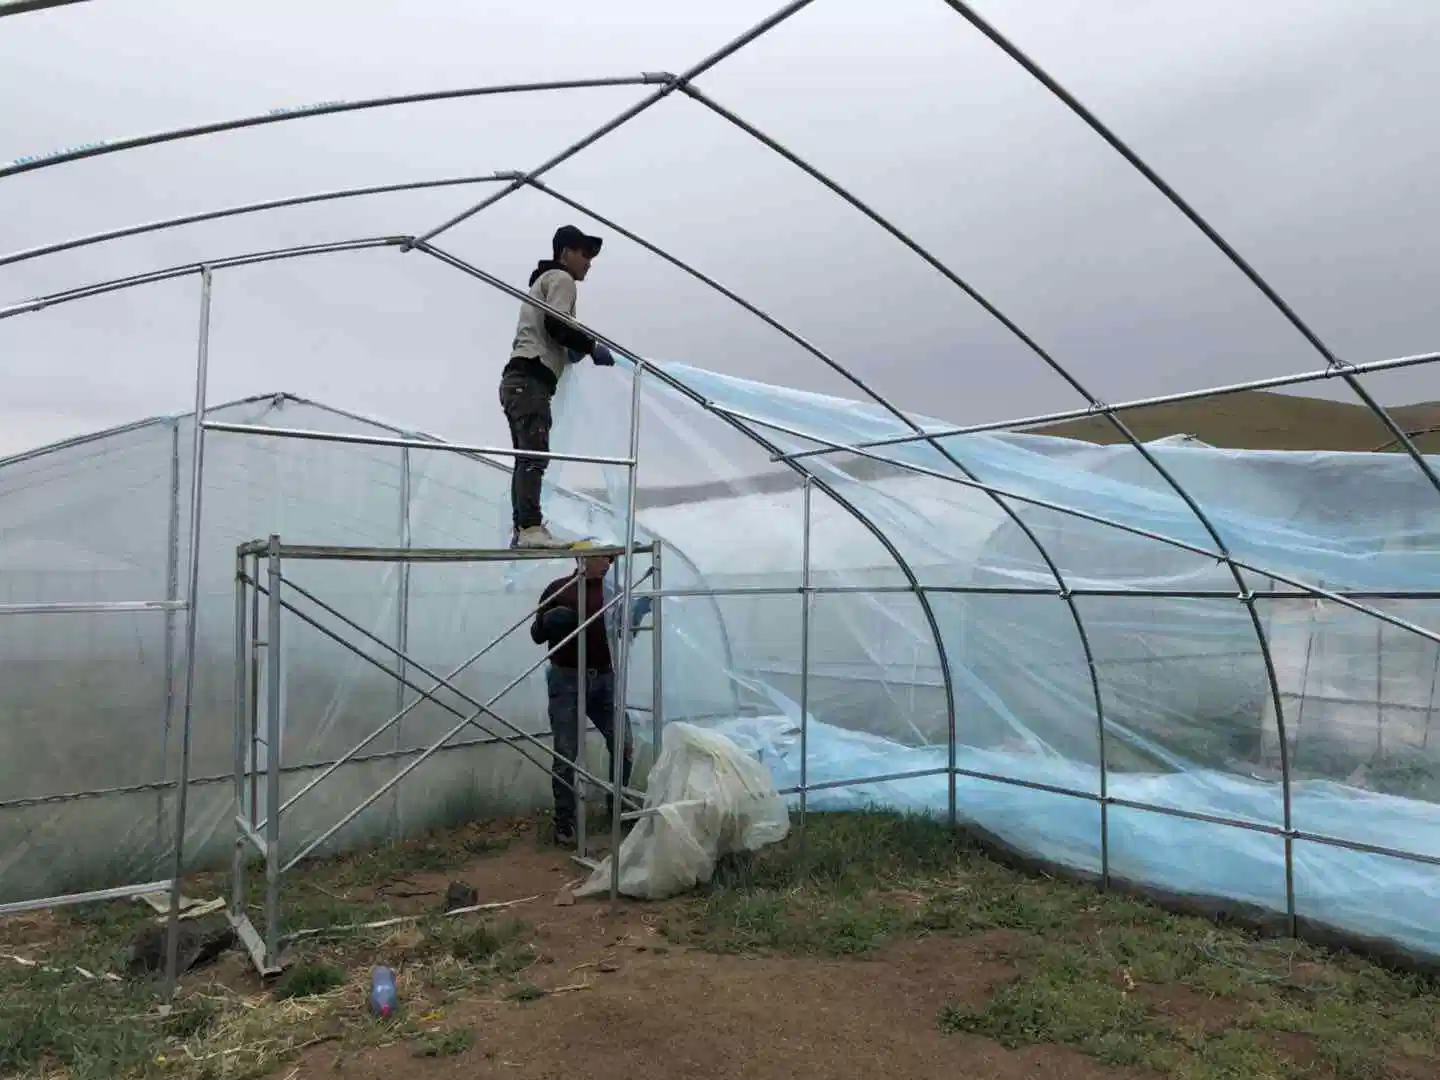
(309, 979)
(1115, 978)
(447, 1043)
(93, 1027)
(102, 1029)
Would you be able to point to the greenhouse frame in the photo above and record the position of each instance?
(1204, 649)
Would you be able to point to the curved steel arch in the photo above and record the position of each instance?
(32, 162)
(1129, 436)
(186, 269)
(890, 407)
(244, 208)
(671, 84)
(680, 387)
(19, 7)
(274, 255)
(1099, 127)
(738, 421)
(963, 9)
(84, 292)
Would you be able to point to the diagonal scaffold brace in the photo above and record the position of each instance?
(259, 675)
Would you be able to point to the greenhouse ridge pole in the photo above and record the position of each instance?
(671, 84)
(192, 619)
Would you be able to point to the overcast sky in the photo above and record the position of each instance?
(1305, 129)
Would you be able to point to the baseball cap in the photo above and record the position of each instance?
(568, 236)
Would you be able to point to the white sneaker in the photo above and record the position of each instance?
(538, 536)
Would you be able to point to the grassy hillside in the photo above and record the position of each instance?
(1263, 420)
(1248, 420)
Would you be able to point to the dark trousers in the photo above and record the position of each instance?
(526, 401)
(563, 685)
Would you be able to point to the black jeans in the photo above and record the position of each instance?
(526, 401)
(563, 685)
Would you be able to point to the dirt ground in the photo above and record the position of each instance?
(650, 1010)
(878, 947)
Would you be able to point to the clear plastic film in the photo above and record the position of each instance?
(936, 607)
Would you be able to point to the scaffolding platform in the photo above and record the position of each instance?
(258, 649)
(583, 549)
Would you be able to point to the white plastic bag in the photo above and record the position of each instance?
(708, 799)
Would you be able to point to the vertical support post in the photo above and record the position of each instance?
(952, 735)
(192, 618)
(1247, 599)
(1379, 690)
(1102, 749)
(581, 790)
(402, 634)
(273, 704)
(620, 724)
(172, 592)
(256, 644)
(805, 595)
(657, 657)
(242, 711)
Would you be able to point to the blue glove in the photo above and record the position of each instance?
(639, 610)
(574, 357)
(602, 356)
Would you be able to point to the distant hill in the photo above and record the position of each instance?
(1246, 420)
(1264, 420)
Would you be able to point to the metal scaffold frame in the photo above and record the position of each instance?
(259, 646)
(178, 606)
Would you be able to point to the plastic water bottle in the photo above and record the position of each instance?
(382, 991)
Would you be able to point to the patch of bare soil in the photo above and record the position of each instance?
(620, 1000)
(696, 1015)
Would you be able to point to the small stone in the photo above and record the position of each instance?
(608, 966)
(460, 895)
(565, 898)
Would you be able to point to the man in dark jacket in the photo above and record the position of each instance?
(543, 348)
(556, 617)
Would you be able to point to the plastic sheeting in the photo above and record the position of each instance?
(707, 799)
(1365, 894)
(90, 703)
(988, 648)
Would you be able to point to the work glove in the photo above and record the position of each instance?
(602, 356)
(639, 610)
(557, 623)
(574, 357)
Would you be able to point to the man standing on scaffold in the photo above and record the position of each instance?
(559, 615)
(543, 348)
